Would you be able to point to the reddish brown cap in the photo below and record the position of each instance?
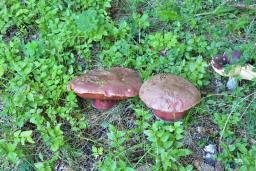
(169, 93)
(113, 84)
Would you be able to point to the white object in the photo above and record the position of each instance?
(245, 72)
(211, 148)
(232, 83)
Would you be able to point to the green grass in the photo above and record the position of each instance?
(45, 44)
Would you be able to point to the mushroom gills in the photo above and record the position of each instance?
(103, 105)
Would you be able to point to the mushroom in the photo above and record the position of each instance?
(220, 61)
(169, 96)
(106, 87)
(246, 72)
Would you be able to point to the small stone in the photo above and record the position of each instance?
(209, 159)
(35, 37)
(232, 83)
(209, 156)
(211, 148)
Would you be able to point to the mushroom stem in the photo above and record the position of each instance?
(169, 116)
(103, 104)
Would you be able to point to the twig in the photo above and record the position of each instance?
(89, 139)
(244, 7)
(214, 11)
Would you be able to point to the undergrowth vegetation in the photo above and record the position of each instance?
(44, 44)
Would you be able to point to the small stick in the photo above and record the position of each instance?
(245, 7)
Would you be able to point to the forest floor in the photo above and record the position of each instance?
(44, 45)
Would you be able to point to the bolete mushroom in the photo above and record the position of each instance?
(106, 87)
(169, 96)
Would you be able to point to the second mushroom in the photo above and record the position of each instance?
(169, 96)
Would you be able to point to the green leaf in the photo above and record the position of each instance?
(165, 137)
(87, 21)
(11, 147)
(55, 146)
(12, 156)
(149, 133)
(17, 133)
(94, 149)
(25, 165)
(184, 152)
(2, 69)
(30, 140)
(26, 133)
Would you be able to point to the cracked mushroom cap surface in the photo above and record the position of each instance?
(113, 84)
(169, 93)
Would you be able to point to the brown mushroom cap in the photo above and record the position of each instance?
(169, 93)
(113, 84)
